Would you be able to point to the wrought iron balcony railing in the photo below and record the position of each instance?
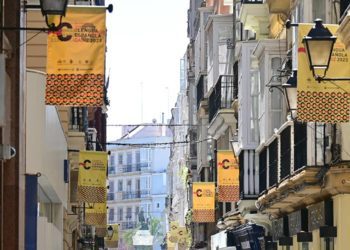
(131, 195)
(223, 95)
(128, 225)
(138, 167)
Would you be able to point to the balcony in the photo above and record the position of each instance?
(280, 6)
(255, 16)
(224, 93)
(130, 168)
(127, 225)
(221, 113)
(129, 195)
(344, 28)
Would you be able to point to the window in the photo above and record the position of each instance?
(276, 97)
(144, 157)
(111, 186)
(112, 160)
(120, 185)
(138, 160)
(137, 211)
(120, 214)
(128, 186)
(158, 205)
(120, 159)
(128, 162)
(111, 215)
(319, 9)
(254, 113)
(129, 213)
(138, 185)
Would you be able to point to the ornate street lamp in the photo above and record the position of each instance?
(319, 43)
(49, 8)
(290, 92)
(110, 232)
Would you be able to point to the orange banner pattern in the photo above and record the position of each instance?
(228, 176)
(76, 59)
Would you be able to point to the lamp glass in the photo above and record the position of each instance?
(110, 231)
(53, 7)
(319, 52)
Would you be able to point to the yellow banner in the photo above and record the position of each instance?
(228, 176)
(203, 202)
(173, 233)
(92, 177)
(96, 214)
(76, 58)
(327, 101)
(112, 241)
(170, 244)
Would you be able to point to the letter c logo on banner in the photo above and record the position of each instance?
(224, 165)
(199, 192)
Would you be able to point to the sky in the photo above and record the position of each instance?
(145, 41)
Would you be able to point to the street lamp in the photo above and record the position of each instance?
(110, 232)
(290, 92)
(319, 43)
(49, 8)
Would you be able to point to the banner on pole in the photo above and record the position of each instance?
(203, 202)
(327, 101)
(76, 58)
(92, 177)
(228, 176)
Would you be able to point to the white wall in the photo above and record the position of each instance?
(45, 139)
(46, 151)
(53, 237)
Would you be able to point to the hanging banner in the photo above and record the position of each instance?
(228, 176)
(92, 177)
(203, 202)
(173, 233)
(170, 244)
(327, 101)
(76, 58)
(112, 241)
(96, 214)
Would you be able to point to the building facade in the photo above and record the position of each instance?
(138, 179)
(39, 208)
(240, 58)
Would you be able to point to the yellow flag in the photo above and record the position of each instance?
(76, 58)
(173, 234)
(96, 214)
(228, 176)
(203, 202)
(327, 101)
(92, 177)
